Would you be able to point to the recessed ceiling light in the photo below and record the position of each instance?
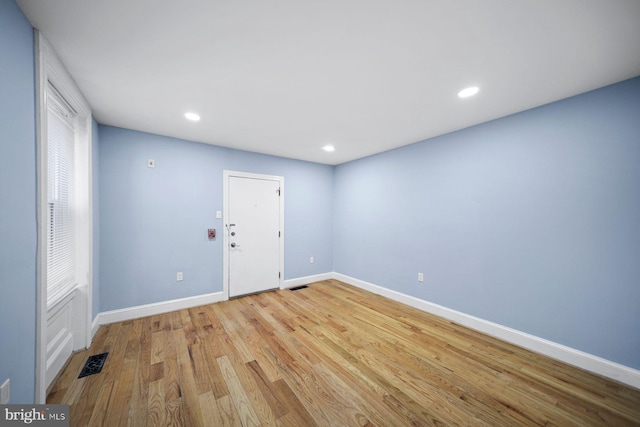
(329, 148)
(192, 116)
(470, 91)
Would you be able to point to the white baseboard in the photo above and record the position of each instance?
(95, 325)
(129, 313)
(156, 308)
(299, 281)
(580, 359)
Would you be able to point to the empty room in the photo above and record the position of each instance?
(320, 213)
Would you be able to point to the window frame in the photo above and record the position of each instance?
(50, 69)
(67, 279)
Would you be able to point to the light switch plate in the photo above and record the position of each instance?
(151, 163)
(218, 214)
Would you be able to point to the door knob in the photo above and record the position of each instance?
(233, 245)
(233, 233)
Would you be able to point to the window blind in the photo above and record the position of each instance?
(62, 225)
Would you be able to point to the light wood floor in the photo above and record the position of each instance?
(328, 355)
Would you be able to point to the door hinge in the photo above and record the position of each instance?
(278, 234)
(278, 191)
(278, 274)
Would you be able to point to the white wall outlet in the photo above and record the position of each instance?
(5, 394)
(151, 163)
(311, 260)
(179, 276)
(218, 214)
(420, 277)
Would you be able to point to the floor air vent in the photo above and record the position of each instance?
(297, 288)
(94, 365)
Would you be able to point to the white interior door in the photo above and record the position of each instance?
(253, 234)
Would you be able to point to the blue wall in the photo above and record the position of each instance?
(531, 221)
(18, 227)
(153, 222)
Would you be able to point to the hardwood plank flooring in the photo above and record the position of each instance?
(327, 355)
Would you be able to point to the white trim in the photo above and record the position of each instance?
(41, 291)
(56, 360)
(136, 312)
(226, 174)
(299, 281)
(551, 349)
(49, 68)
(548, 348)
(95, 325)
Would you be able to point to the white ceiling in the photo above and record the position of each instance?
(286, 77)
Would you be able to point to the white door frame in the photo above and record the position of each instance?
(225, 241)
(49, 68)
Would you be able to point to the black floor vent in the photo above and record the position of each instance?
(94, 365)
(298, 288)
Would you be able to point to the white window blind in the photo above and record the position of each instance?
(62, 225)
